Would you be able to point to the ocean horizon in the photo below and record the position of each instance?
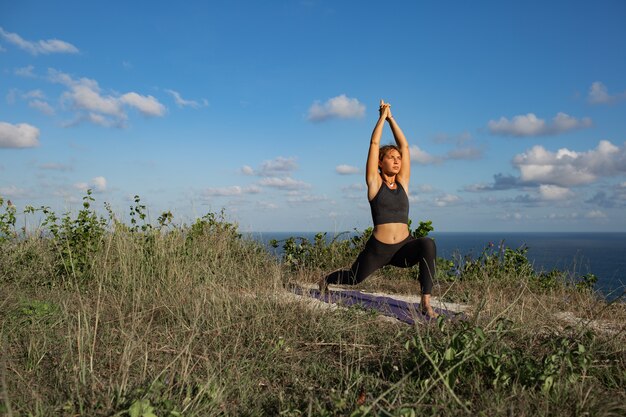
(578, 253)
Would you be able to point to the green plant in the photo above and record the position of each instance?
(422, 230)
(76, 239)
(493, 261)
(465, 352)
(587, 282)
(7, 221)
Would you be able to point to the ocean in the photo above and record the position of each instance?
(602, 254)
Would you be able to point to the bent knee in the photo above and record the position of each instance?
(428, 246)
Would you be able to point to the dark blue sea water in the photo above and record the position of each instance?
(603, 254)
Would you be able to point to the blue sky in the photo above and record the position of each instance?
(515, 111)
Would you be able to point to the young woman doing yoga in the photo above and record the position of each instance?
(387, 176)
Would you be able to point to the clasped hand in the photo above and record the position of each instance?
(385, 110)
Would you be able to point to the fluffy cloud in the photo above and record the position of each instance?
(599, 94)
(422, 157)
(346, 169)
(50, 46)
(566, 168)
(147, 105)
(531, 125)
(340, 107)
(181, 102)
(85, 97)
(21, 135)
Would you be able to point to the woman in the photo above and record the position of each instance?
(387, 175)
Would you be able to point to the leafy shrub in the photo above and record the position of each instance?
(77, 239)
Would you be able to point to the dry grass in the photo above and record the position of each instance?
(197, 329)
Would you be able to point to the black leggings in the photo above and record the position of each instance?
(405, 254)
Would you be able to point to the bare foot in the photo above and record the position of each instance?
(428, 311)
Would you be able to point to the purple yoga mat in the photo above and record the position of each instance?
(401, 310)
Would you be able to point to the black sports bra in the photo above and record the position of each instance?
(390, 206)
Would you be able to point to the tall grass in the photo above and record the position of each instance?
(102, 318)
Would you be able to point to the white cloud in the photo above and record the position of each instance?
(287, 183)
(554, 193)
(278, 165)
(531, 125)
(566, 168)
(42, 106)
(447, 200)
(423, 157)
(50, 46)
(233, 190)
(341, 107)
(147, 105)
(599, 94)
(181, 102)
(346, 169)
(21, 135)
(86, 98)
(97, 184)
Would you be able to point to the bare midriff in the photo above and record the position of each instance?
(391, 232)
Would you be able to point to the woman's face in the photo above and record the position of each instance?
(391, 162)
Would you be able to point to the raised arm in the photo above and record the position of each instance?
(372, 177)
(404, 175)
